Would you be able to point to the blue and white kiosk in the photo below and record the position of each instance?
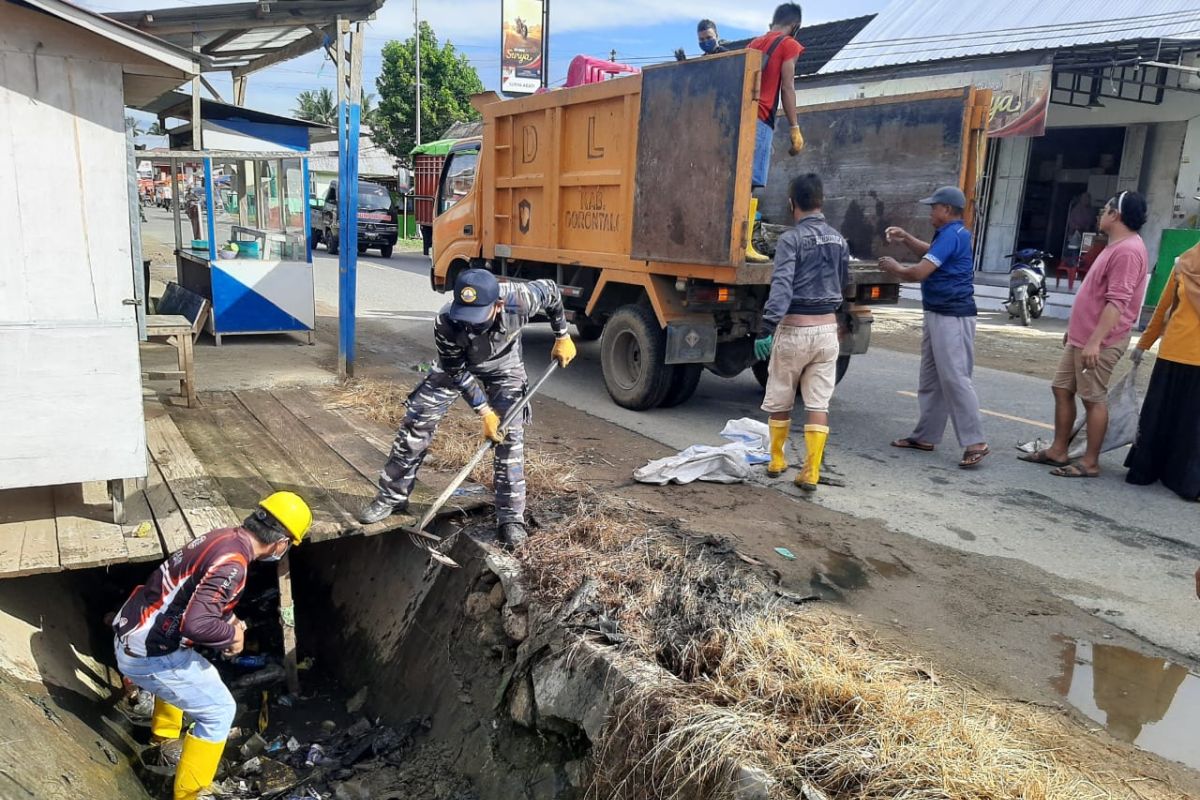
(242, 217)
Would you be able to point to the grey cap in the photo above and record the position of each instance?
(947, 196)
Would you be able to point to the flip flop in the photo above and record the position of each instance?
(909, 443)
(971, 458)
(1040, 457)
(1073, 471)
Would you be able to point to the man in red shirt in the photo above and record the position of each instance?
(1105, 309)
(780, 51)
(186, 603)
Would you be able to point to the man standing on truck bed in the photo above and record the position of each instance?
(799, 331)
(478, 338)
(780, 51)
(946, 273)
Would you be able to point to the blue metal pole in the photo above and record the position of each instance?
(208, 201)
(348, 119)
(307, 211)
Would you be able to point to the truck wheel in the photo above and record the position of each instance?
(760, 370)
(362, 250)
(331, 242)
(684, 380)
(586, 330)
(385, 251)
(632, 357)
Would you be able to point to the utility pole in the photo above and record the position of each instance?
(612, 55)
(417, 48)
(545, 43)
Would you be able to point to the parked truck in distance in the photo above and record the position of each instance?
(633, 195)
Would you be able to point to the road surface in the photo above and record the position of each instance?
(1124, 552)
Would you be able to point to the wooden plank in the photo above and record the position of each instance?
(28, 532)
(173, 530)
(287, 620)
(348, 489)
(142, 541)
(228, 464)
(198, 495)
(87, 536)
(244, 435)
(362, 453)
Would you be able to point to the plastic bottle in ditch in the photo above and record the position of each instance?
(249, 662)
(316, 754)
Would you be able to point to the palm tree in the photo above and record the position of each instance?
(318, 106)
(156, 129)
(134, 127)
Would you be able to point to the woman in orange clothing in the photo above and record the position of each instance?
(1168, 441)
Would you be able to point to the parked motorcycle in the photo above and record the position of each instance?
(1027, 292)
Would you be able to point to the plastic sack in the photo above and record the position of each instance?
(728, 463)
(1124, 407)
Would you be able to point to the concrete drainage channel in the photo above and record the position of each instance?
(514, 696)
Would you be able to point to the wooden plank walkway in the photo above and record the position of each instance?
(208, 468)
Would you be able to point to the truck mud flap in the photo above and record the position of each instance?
(859, 339)
(691, 343)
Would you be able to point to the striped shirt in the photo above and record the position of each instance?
(464, 356)
(189, 599)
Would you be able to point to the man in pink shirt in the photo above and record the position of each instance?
(1097, 334)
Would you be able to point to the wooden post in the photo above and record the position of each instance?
(287, 618)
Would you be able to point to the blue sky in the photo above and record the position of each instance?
(643, 31)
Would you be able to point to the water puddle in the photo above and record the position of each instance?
(839, 573)
(1146, 701)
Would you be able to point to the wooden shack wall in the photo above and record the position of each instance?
(70, 393)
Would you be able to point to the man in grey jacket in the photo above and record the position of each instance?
(799, 332)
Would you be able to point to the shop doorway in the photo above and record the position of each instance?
(1072, 172)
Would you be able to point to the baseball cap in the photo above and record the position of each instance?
(475, 292)
(947, 196)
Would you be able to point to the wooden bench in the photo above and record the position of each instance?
(177, 331)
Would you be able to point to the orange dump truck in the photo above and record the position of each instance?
(633, 195)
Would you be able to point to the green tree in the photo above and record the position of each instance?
(134, 127)
(156, 129)
(447, 82)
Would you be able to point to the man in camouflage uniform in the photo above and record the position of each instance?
(478, 338)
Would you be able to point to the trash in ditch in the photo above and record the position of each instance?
(316, 754)
(470, 490)
(357, 701)
(788, 554)
(249, 662)
(267, 676)
(287, 700)
(253, 746)
(423, 366)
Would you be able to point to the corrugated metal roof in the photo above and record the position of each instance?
(934, 30)
(821, 42)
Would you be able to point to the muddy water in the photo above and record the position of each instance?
(1147, 701)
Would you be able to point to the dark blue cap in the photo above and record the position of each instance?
(475, 292)
(947, 196)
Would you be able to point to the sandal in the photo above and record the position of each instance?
(1040, 457)
(1074, 471)
(909, 443)
(971, 458)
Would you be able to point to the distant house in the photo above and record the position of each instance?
(72, 400)
(374, 164)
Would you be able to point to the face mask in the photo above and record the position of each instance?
(276, 556)
(708, 45)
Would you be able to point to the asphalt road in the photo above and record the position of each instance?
(1126, 553)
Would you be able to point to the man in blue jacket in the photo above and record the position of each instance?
(799, 332)
(946, 273)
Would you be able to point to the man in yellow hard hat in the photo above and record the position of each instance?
(186, 603)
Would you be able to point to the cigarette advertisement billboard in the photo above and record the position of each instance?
(522, 46)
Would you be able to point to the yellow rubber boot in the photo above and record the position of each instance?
(779, 436)
(752, 255)
(814, 444)
(197, 767)
(166, 723)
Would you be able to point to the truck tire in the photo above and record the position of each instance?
(331, 242)
(386, 251)
(632, 357)
(362, 249)
(760, 370)
(586, 330)
(684, 380)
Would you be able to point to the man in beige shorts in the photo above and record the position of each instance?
(1104, 312)
(799, 332)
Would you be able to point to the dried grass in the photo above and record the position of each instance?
(458, 437)
(803, 694)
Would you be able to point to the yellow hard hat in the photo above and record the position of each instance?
(291, 512)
